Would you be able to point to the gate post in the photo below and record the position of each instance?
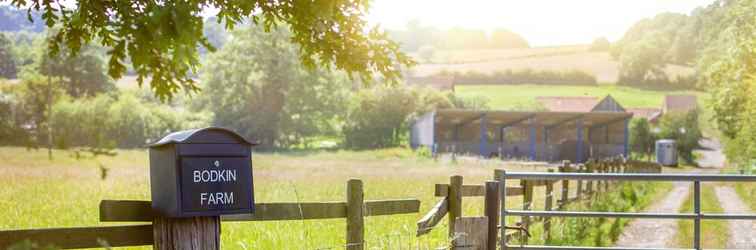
(355, 224)
(186, 233)
(547, 207)
(455, 201)
(491, 208)
(565, 184)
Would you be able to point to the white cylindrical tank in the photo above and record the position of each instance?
(666, 152)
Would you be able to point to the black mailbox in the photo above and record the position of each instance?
(201, 172)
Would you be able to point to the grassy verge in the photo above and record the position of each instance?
(747, 192)
(714, 233)
(627, 197)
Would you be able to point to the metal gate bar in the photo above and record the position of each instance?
(696, 216)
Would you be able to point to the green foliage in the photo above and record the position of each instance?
(30, 105)
(641, 139)
(525, 76)
(600, 44)
(728, 70)
(379, 117)
(684, 129)
(257, 86)
(123, 121)
(162, 38)
(7, 58)
(82, 74)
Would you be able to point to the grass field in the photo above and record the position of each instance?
(65, 192)
(38, 193)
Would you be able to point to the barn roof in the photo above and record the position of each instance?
(679, 103)
(463, 116)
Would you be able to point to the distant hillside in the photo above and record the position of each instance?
(573, 57)
(12, 20)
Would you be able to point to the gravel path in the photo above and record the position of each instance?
(711, 154)
(656, 233)
(742, 232)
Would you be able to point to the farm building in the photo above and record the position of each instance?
(679, 103)
(551, 136)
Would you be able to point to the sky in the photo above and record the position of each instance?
(541, 22)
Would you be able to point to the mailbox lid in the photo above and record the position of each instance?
(218, 150)
(209, 135)
(216, 185)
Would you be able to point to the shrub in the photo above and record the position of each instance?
(525, 76)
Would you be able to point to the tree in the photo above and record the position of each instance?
(161, 38)
(684, 129)
(506, 39)
(641, 139)
(7, 59)
(426, 53)
(256, 85)
(640, 63)
(600, 44)
(82, 74)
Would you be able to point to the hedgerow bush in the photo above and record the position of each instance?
(525, 76)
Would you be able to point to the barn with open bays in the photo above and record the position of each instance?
(549, 136)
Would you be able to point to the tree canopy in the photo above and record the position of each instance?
(161, 39)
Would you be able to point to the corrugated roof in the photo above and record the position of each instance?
(568, 103)
(680, 103)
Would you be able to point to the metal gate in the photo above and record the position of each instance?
(502, 176)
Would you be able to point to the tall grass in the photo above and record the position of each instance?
(625, 197)
(714, 233)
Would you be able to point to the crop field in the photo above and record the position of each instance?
(575, 57)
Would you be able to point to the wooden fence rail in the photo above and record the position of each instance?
(353, 210)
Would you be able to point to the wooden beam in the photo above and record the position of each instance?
(515, 122)
(474, 118)
(122, 211)
(433, 217)
(81, 237)
(560, 122)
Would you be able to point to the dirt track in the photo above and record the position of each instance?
(656, 233)
(742, 232)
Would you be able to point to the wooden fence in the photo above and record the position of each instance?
(453, 192)
(354, 209)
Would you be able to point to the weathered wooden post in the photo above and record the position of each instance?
(355, 224)
(581, 169)
(589, 169)
(491, 208)
(527, 204)
(547, 207)
(455, 201)
(565, 184)
(196, 176)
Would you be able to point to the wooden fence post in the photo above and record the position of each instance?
(186, 233)
(455, 201)
(527, 204)
(547, 207)
(355, 224)
(565, 185)
(581, 169)
(491, 208)
(589, 169)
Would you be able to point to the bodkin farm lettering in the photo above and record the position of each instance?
(215, 176)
